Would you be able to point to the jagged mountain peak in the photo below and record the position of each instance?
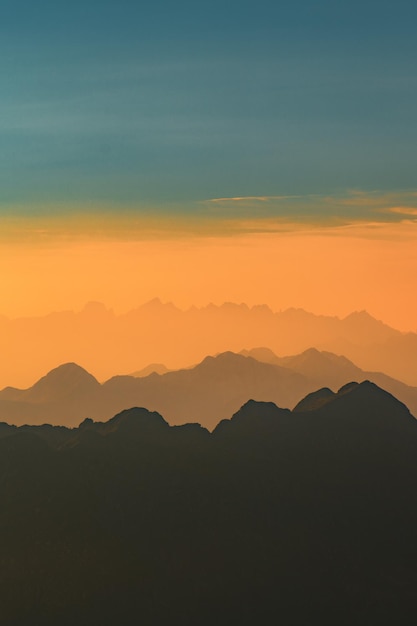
(156, 305)
(364, 403)
(135, 419)
(62, 381)
(152, 368)
(314, 400)
(263, 354)
(363, 314)
(253, 417)
(225, 358)
(95, 308)
(313, 355)
(68, 371)
(362, 321)
(348, 387)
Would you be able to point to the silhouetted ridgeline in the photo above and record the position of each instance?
(211, 390)
(106, 343)
(277, 517)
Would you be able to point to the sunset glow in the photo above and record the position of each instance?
(62, 263)
(258, 155)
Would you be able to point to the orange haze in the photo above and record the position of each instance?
(329, 271)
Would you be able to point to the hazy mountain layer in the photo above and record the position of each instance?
(291, 518)
(105, 343)
(212, 390)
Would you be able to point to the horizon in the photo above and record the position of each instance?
(108, 343)
(96, 305)
(247, 153)
(329, 271)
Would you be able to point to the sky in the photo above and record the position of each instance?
(205, 151)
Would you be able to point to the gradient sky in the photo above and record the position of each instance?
(138, 130)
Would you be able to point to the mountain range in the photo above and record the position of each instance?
(106, 344)
(302, 517)
(205, 393)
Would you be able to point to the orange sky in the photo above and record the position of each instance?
(332, 270)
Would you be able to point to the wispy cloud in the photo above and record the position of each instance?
(352, 212)
(404, 210)
(245, 199)
(345, 208)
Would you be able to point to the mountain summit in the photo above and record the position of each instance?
(62, 382)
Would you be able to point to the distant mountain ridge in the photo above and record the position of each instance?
(205, 393)
(152, 368)
(106, 343)
(312, 363)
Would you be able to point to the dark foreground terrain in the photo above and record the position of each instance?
(295, 518)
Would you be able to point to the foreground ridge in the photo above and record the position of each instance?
(135, 521)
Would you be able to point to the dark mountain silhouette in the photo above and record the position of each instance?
(315, 400)
(303, 517)
(209, 391)
(106, 343)
(331, 370)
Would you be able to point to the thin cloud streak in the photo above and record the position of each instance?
(353, 206)
(369, 213)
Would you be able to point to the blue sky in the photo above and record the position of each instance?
(161, 106)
